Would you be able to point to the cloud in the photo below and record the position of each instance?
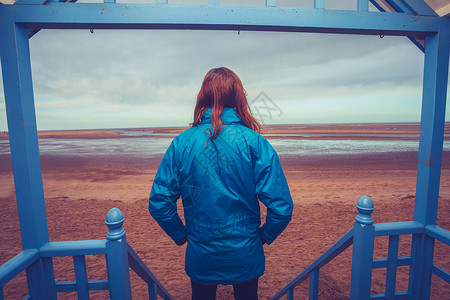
(146, 75)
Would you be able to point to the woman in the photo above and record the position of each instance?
(220, 167)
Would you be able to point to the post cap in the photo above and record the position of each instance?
(365, 208)
(114, 221)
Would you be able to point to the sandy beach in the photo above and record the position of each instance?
(79, 192)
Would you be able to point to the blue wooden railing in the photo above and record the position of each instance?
(362, 237)
(120, 257)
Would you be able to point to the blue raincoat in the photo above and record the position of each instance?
(220, 182)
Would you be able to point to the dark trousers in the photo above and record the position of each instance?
(242, 291)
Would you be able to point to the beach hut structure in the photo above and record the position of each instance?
(415, 19)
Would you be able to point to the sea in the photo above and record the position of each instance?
(152, 143)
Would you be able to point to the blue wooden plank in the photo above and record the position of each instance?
(343, 243)
(19, 101)
(398, 296)
(17, 264)
(391, 272)
(290, 293)
(66, 286)
(81, 276)
(20, 111)
(28, 2)
(432, 124)
(438, 233)
(363, 5)
(71, 286)
(420, 7)
(414, 269)
(221, 17)
(47, 265)
(271, 3)
(139, 267)
(398, 6)
(430, 151)
(152, 290)
(441, 273)
(214, 2)
(2, 296)
(398, 228)
(314, 284)
(98, 285)
(319, 4)
(383, 262)
(71, 248)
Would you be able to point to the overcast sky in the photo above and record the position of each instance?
(118, 79)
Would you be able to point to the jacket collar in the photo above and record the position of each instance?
(228, 116)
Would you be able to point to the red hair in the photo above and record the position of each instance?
(222, 88)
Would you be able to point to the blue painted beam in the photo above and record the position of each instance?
(17, 264)
(437, 48)
(19, 100)
(314, 284)
(383, 262)
(29, 2)
(71, 286)
(363, 5)
(391, 272)
(398, 296)
(438, 233)
(71, 248)
(420, 7)
(319, 4)
(399, 228)
(441, 273)
(81, 279)
(343, 243)
(271, 3)
(432, 124)
(221, 17)
(139, 267)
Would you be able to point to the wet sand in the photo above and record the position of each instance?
(79, 192)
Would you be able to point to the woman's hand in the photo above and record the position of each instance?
(184, 240)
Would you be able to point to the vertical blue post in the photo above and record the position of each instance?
(271, 3)
(430, 156)
(314, 284)
(117, 257)
(319, 4)
(362, 256)
(18, 88)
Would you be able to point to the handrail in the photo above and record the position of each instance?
(398, 228)
(139, 267)
(438, 233)
(343, 243)
(71, 248)
(17, 264)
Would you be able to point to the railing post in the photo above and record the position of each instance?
(435, 76)
(362, 257)
(117, 256)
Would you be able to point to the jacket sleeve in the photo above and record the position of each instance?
(272, 190)
(164, 195)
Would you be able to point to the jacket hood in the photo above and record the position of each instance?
(228, 116)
